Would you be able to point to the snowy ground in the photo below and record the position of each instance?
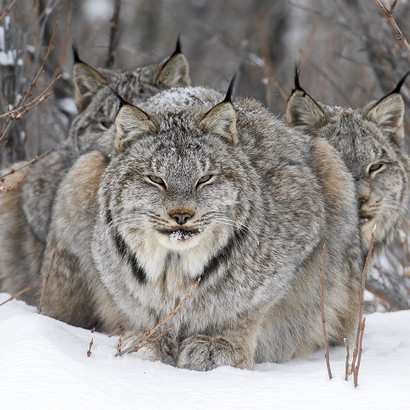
(44, 365)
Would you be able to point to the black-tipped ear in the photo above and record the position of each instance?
(175, 71)
(388, 112)
(76, 56)
(121, 101)
(302, 110)
(132, 123)
(221, 119)
(87, 80)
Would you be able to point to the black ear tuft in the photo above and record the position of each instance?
(121, 100)
(76, 56)
(296, 78)
(177, 47)
(400, 84)
(228, 97)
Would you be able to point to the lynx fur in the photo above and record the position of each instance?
(368, 139)
(25, 211)
(198, 186)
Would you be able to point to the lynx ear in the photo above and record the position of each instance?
(86, 80)
(221, 119)
(132, 123)
(302, 110)
(388, 114)
(175, 71)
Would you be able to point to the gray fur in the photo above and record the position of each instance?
(25, 226)
(365, 138)
(268, 198)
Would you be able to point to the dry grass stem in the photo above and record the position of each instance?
(119, 346)
(347, 367)
(359, 326)
(119, 329)
(6, 10)
(389, 13)
(46, 281)
(359, 356)
(33, 285)
(147, 335)
(322, 307)
(35, 159)
(240, 362)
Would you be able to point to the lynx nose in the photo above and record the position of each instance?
(181, 218)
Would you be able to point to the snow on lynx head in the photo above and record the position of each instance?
(368, 140)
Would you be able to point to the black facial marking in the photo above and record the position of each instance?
(224, 255)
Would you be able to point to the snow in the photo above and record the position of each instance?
(44, 365)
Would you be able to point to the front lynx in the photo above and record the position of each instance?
(199, 188)
(368, 139)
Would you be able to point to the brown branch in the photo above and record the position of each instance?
(389, 14)
(240, 362)
(91, 343)
(119, 329)
(18, 183)
(35, 159)
(46, 281)
(322, 307)
(359, 326)
(119, 346)
(33, 285)
(6, 10)
(113, 35)
(347, 372)
(161, 323)
(359, 357)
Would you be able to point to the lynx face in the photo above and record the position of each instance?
(368, 140)
(177, 191)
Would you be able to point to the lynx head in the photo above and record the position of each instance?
(179, 183)
(368, 140)
(97, 109)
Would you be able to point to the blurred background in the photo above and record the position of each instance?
(347, 51)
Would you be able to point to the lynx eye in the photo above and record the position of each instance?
(374, 168)
(203, 180)
(156, 180)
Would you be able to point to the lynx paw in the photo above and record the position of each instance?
(206, 353)
(163, 349)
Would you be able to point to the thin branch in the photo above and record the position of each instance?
(240, 362)
(35, 159)
(46, 281)
(91, 343)
(162, 322)
(359, 326)
(119, 329)
(33, 285)
(6, 10)
(113, 35)
(347, 367)
(389, 13)
(359, 357)
(322, 307)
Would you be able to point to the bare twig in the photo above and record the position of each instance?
(33, 285)
(240, 362)
(322, 307)
(18, 183)
(119, 329)
(359, 326)
(13, 171)
(6, 10)
(389, 13)
(119, 346)
(46, 281)
(148, 335)
(113, 34)
(359, 356)
(91, 343)
(347, 367)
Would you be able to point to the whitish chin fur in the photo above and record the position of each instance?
(179, 239)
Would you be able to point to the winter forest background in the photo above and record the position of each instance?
(348, 51)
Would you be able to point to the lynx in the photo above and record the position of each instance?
(25, 211)
(368, 139)
(198, 186)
